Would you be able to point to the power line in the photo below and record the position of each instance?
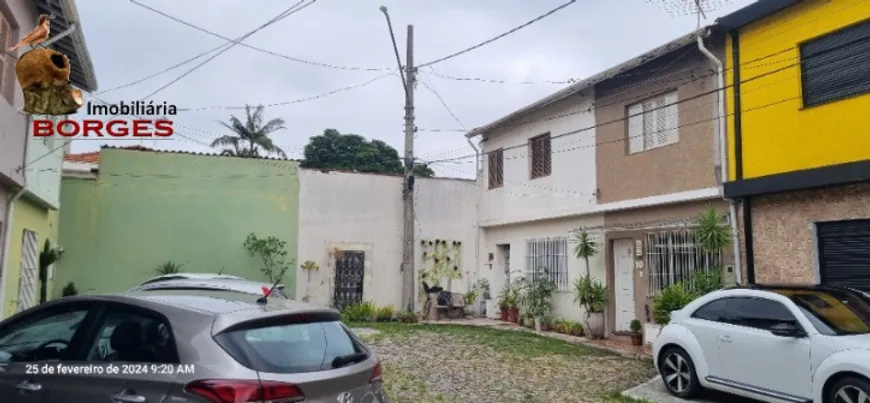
(290, 11)
(269, 52)
(295, 101)
(497, 37)
(431, 88)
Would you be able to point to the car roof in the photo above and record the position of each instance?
(793, 287)
(227, 310)
(245, 286)
(174, 276)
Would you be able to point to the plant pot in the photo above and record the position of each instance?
(595, 325)
(504, 315)
(538, 325)
(651, 332)
(636, 339)
(514, 315)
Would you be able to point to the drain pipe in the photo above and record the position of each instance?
(476, 208)
(7, 232)
(723, 154)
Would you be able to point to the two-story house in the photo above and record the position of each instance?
(30, 168)
(799, 94)
(631, 156)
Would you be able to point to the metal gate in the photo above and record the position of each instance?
(349, 273)
(29, 278)
(844, 253)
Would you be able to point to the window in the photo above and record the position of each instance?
(294, 347)
(42, 336)
(713, 311)
(495, 160)
(6, 61)
(539, 149)
(833, 312)
(836, 66)
(758, 313)
(131, 336)
(673, 257)
(653, 123)
(548, 256)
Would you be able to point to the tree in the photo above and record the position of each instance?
(352, 152)
(584, 247)
(272, 252)
(251, 138)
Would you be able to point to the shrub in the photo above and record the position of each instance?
(69, 290)
(635, 326)
(406, 317)
(570, 327)
(384, 314)
(706, 282)
(673, 298)
(362, 312)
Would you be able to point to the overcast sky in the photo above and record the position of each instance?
(128, 42)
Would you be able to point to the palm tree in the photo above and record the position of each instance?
(584, 247)
(252, 137)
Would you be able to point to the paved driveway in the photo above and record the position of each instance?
(654, 391)
(454, 363)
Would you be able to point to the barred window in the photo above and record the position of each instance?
(495, 159)
(673, 257)
(539, 149)
(550, 256)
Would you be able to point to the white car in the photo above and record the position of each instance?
(770, 343)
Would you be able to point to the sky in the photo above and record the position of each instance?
(128, 42)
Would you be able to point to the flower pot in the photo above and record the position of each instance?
(651, 331)
(636, 338)
(538, 326)
(514, 315)
(595, 325)
(504, 314)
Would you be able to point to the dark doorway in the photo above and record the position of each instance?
(349, 274)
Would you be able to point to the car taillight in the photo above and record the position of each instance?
(377, 373)
(244, 391)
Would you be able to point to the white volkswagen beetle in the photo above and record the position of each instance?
(770, 343)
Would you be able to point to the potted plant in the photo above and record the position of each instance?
(538, 296)
(504, 304)
(673, 298)
(591, 294)
(636, 335)
(513, 297)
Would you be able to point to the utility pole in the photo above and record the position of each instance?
(408, 219)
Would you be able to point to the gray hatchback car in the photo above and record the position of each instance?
(154, 348)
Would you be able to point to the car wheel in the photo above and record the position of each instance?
(849, 390)
(678, 373)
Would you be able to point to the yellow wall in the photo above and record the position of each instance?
(778, 134)
(29, 216)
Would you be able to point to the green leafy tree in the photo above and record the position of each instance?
(584, 247)
(352, 152)
(47, 257)
(251, 137)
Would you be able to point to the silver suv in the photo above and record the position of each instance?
(152, 348)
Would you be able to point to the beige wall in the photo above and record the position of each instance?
(665, 213)
(689, 164)
(782, 229)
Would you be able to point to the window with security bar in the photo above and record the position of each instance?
(548, 256)
(495, 160)
(673, 257)
(539, 150)
(653, 123)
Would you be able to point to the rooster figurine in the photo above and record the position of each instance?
(38, 35)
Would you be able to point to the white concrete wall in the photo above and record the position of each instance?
(357, 211)
(44, 166)
(516, 236)
(571, 185)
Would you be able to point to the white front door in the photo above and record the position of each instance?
(623, 262)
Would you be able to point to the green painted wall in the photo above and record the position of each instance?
(148, 207)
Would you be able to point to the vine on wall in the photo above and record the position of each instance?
(440, 261)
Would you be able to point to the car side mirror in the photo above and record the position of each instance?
(787, 330)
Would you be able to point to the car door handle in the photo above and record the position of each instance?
(726, 339)
(128, 396)
(28, 386)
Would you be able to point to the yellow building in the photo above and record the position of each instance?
(798, 89)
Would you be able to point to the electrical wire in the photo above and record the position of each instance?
(290, 11)
(268, 52)
(497, 37)
(431, 88)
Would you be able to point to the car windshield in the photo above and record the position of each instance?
(833, 312)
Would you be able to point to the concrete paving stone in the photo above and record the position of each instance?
(654, 391)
